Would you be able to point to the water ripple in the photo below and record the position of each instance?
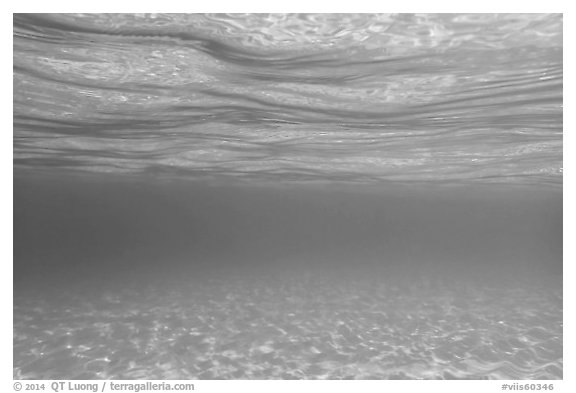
(353, 98)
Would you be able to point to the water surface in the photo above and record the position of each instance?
(292, 98)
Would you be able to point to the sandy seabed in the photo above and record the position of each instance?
(292, 326)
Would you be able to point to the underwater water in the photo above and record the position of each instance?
(266, 196)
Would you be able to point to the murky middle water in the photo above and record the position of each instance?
(288, 196)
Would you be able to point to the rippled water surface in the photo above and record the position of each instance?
(353, 98)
